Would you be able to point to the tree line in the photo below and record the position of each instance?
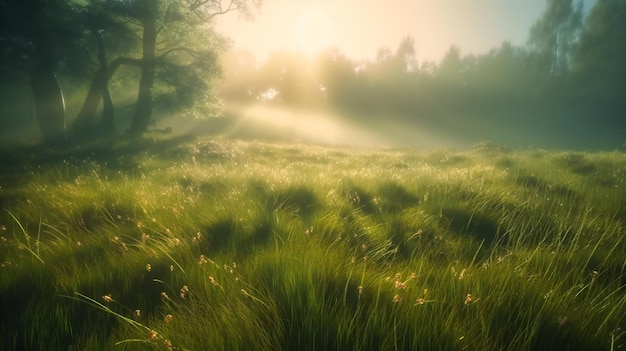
(572, 66)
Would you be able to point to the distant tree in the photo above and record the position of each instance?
(287, 76)
(553, 38)
(406, 55)
(451, 68)
(336, 77)
(501, 69)
(390, 66)
(599, 61)
(239, 73)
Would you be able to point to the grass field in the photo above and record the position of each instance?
(211, 244)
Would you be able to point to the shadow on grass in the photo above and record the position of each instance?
(241, 239)
(117, 154)
(577, 164)
(395, 197)
(531, 181)
(480, 226)
(298, 199)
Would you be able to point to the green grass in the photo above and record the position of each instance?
(221, 244)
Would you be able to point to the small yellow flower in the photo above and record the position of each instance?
(184, 291)
(152, 335)
(167, 344)
(196, 238)
(168, 318)
(148, 267)
(138, 313)
(397, 299)
(107, 298)
(399, 285)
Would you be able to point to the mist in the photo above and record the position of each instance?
(560, 90)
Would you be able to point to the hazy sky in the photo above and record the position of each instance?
(360, 27)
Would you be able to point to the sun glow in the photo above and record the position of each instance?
(314, 32)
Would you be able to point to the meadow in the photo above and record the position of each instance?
(216, 244)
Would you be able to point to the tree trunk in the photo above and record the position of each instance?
(98, 89)
(49, 105)
(108, 112)
(84, 121)
(143, 111)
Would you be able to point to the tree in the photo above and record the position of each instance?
(599, 59)
(553, 38)
(239, 73)
(336, 77)
(37, 36)
(288, 74)
(185, 57)
(406, 55)
(451, 67)
(501, 69)
(100, 25)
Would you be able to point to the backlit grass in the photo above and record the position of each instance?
(217, 244)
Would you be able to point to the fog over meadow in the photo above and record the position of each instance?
(561, 85)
